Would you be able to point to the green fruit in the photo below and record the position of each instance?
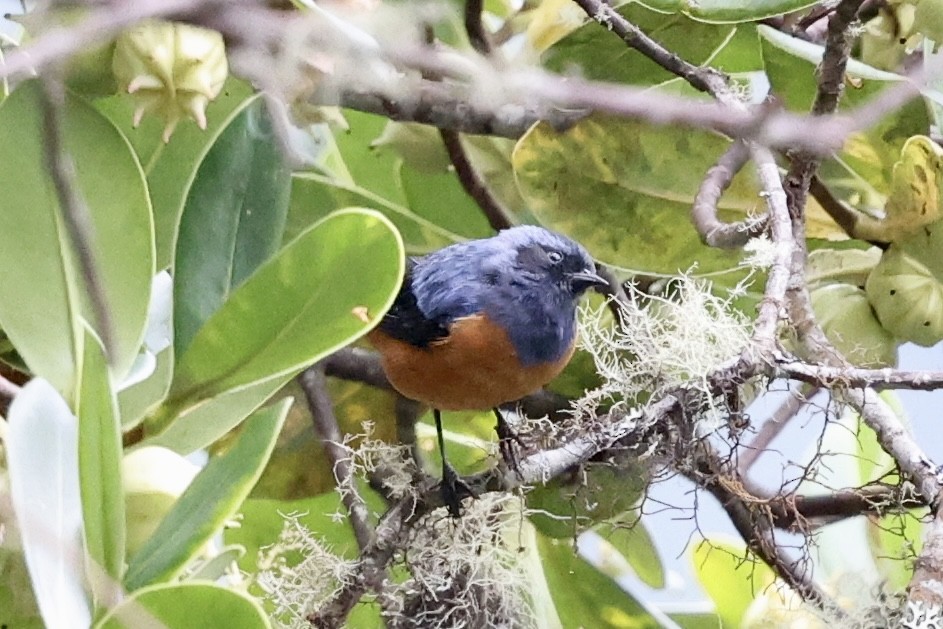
(845, 314)
(172, 70)
(907, 297)
(153, 479)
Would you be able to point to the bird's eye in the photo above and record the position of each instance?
(555, 257)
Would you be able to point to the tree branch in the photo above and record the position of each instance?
(705, 79)
(855, 377)
(713, 231)
(777, 283)
(75, 214)
(773, 426)
(60, 43)
(314, 384)
(755, 526)
(498, 216)
(477, 34)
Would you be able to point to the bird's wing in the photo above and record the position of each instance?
(405, 321)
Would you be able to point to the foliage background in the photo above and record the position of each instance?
(172, 293)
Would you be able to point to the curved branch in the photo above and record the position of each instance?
(498, 216)
(713, 231)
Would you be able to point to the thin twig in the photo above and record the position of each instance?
(705, 79)
(846, 217)
(756, 528)
(371, 566)
(477, 35)
(60, 43)
(498, 216)
(796, 400)
(897, 441)
(74, 212)
(314, 384)
(713, 231)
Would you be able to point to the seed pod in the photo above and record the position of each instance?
(172, 70)
(907, 297)
(845, 315)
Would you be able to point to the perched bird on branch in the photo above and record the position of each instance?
(484, 322)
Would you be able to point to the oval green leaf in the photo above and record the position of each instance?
(42, 294)
(177, 606)
(631, 539)
(728, 10)
(629, 208)
(605, 57)
(213, 497)
(232, 221)
(298, 307)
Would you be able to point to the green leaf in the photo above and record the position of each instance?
(861, 174)
(629, 208)
(605, 57)
(729, 10)
(315, 196)
(171, 167)
(41, 448)
(100, 453)
(179, 605)
(17, 603)
(213, 497)
(216, 567)
(565, 506)
(42, 296)
(201, 425)
(631, 541)
(135, 401)
(232, 221)
(293, 310)
(149, 380)
(696, 621)
(731, 582)
(368, 177)
(263, 519)
(584, 596)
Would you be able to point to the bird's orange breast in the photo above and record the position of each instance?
(475, 367)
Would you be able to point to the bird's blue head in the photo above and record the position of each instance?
(538, 277)
(549, 261)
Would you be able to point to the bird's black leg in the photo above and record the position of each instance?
(506, 440)
(453, 488)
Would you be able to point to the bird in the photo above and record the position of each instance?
(481, 323)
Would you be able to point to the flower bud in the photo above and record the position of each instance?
(172, 70)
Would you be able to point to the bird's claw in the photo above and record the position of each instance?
(506, 440)
(454, 490)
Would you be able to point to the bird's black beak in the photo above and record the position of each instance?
(585, 279)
